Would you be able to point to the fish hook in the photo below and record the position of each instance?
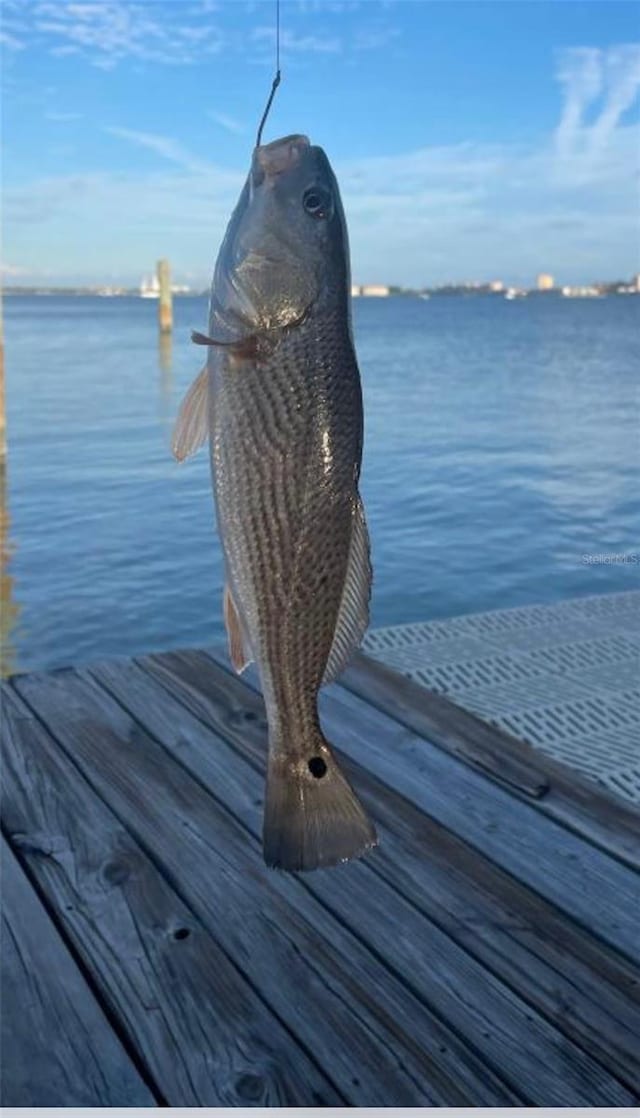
(276, 80)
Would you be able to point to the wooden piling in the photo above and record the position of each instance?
(165, 305)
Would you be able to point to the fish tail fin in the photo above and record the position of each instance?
(312, 817)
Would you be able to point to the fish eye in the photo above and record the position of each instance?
(317, 202)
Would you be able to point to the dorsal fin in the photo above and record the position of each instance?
(353, 615)
(191, 428)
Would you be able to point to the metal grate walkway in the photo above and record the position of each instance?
(565, 677)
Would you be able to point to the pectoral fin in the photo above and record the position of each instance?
(192, 425)
(255, 346)
(353, 615)
(238, 647)
(248, 347)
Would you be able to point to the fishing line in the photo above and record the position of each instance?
(276, 80)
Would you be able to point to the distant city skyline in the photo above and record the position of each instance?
(477, 139)
(544, 283)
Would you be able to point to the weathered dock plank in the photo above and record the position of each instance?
(203, 1035)
(587, 990)
(371, 1034)
(569, 798)
(472, 1001)
(545, 856)
(58, 1049)
(486, 954)
(549, 857)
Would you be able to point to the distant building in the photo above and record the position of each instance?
(632, 288)
(496, 285)
(356, 289)
(544, 282)
(581, 292)
(378, 290)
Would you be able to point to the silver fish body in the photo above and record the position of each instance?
(285, 426)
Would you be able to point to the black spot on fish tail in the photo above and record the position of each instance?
(312, 817)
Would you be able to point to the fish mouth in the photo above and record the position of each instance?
(279, 156)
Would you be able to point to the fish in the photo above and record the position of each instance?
(279, 399)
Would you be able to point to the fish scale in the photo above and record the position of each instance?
(321, 440)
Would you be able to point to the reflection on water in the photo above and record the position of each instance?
(165, 368)
(165, 357)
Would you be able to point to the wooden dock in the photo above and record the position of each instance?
(486, 954)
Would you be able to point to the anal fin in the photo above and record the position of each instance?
(238, 651)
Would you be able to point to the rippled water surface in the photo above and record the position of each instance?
(501, 455)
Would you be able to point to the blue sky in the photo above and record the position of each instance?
(470, 139)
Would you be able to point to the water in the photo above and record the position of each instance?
(501, 453)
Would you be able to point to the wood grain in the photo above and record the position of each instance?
(591, 992)
(448, 968)
(466, 996)
(204, 1036)
(58, 1049)
(375, 1038)
(547, 857)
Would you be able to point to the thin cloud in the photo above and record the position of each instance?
(64, 50)
(15, 31)
(171, 150)
(422, 216)
(164, 146)
(580, 74)
(108, 31)
(12, 271)
(292, 43)
(374, 38)
(622, 80)
(425, 215)
(334, 7)
(11, 42)
(607, 81)
(129, 218)
(229, 123)
(62, 118)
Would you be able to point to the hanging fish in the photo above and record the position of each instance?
(280, 401)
